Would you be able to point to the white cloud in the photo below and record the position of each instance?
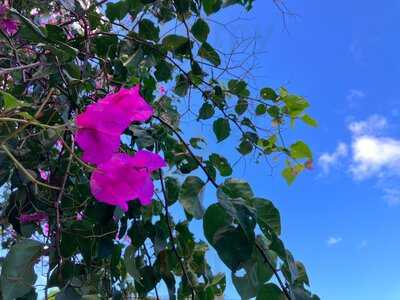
(333, 241)
(370, 155)
(374, 155)
(328, 160)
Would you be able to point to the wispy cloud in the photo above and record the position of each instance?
(356, 51)
(329, 160)
(355, 93)
(392, 195)
(354, 96)
(333, 241)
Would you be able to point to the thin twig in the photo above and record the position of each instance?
(58, 201)
(25, 171)
(171, 236)
(23, 67)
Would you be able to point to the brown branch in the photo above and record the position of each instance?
(23, 67)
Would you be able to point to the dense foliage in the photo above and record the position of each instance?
(60, 57)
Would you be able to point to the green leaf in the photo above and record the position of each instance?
(257, 273)
(182, 85)
(200, 30)
(238, 88)
(245, 147)
(236, 188)
(270, 291)
(55, 33)
(274, 111)
(267, 215)
(172, 187)
(261, 109)
(34, 31)
(300, 150)
(231, 243)
(176, 44)
(241, 106)
(207, 52)
(295, 105)
(268, 94)
(148, 30)
(18, 276)
(163, 71)
(214, 219)
(117, 10)
(238, 209)
(309, 120)
(194, 142)
(191, 196)
(290, 172)
(211, 6)
(182, 6)
(10, 102)
(221, 163)
(221, 129)
(233, 246)
(206, 111)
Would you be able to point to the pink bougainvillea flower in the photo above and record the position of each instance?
(3, 9)
(124, 178)
(97, 146)
(59, 145)
(9, 26)
(34, 217)
(101, 124)
(79, 216)
(44, 174)
(46, 229)
(130, 104)
(162, 90)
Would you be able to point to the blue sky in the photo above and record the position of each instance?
(340, 219)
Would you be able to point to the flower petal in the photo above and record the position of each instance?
(147, 160)
(97, 146)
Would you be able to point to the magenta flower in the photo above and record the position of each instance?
(101, 124)
(34, 217)
(130, 104)
(79, 216)
(9, 26)
(44, 174)
(3, 10)
(46, 229)
(162, 90)
(124, 178)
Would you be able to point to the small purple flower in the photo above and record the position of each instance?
(34, 217)
(9, 26)
(44, 174)
(46, 229)
(79, 216)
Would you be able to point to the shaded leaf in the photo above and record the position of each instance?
(200, 30)
(191, 196)
(207, 52)
(221, 129)
(17, 274)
